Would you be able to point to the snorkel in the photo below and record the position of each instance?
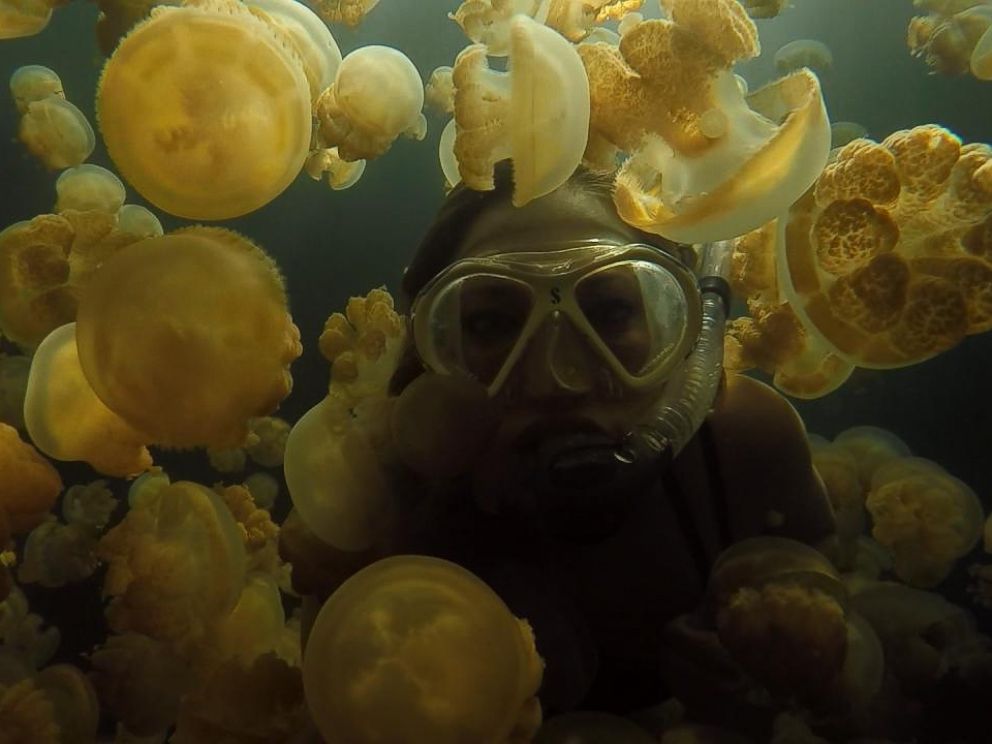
(651, 445)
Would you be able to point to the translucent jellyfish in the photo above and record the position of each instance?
(954, 38)
(264, 489)
(537, 114)
(177, 359)
(31, 484)
(341, 174)
(20, 18)
(348, 12)
(838, 468)
(188, 135)
(575, 19)
(56, 132)
(763, 8)
(66, 419)
(56, 705)
(927, 518)
(32, 83)
(871, 447)
(590, 727)
(139, 221)
(439, 93)
(441, 424)
(842, 132)
(981, 56)
(377, 96)
(487, 22)
(715, 170)
(875, 259)
(89, 187)
(804, 53)
(428, 641)
(267, 441)
(446, 154)
(175, 565)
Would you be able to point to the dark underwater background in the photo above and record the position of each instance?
(333, 245)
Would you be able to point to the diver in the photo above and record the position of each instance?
(601, 348)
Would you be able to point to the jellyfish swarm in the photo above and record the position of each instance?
(187, 336)
(430, 643)
(220, 130)
(715, 170)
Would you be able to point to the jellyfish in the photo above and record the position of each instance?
(981, 56)
(439, 93)
(31, 484)
(428, 641)
(56, 132)
(804, 53)
(267, 441)
(871, 447)
(20, 18)
(177, 359)
(446, 154)
(32, 83)
(488, 22)
(134, 219)
(575, 19)
(714, 171)
(842, 132)
(377, 96)
(264, 489)
(89, 187)
(763, 8)
(954, 38)
(348, 12)
(187, 135)
(537, 114)
(341, 174)
(66, 419)
(875, 260)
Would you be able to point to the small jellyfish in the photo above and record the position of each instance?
(348, 12)
(804, 53)
(134, 219)
(32, 83)
(89, 187)
(341, 174)
(537, 114)
(179, 357)
(446, 154)
(429, 642)
(439, 93)
(224, 127)
(56, 132)
(19, 18)
(376, 97)
(264, 489)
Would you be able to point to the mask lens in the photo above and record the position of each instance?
(638, 310)
(476, 322)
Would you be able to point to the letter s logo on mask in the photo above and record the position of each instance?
(555, 295)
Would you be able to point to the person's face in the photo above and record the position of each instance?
(559, 378)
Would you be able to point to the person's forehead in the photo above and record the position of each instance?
(561, 217)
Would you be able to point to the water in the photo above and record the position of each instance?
(333, 245)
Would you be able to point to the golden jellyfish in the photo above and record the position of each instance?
(871, 447)
(179, 357)
(266, 444)
(139, 221)
(429, 642)
(31, 484)
(804, 53)
(763, 8)
(446, 154)
(981, 56)
(537, 114)
(264, 489)
(575, 19)
(487, 22)
(188, 135)
(56, 132)
(89, 187)
(377, 96)
(591, 727)
(341, 174)
(44, 263)
(20, 18)
(348, 12)
(954, 38)
(439, 93)
(32, 83)
(925, 517)
(66, 419)
(715, 170)
(875, 261)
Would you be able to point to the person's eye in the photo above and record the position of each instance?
(611, 312)
(491, 325)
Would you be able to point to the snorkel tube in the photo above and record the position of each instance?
(688, 397)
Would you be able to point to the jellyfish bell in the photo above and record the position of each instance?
(190, 136)
(19, 18)
(56, 132)
(537, 114)
(446, 154)
(135, 219)
(341, 174)
(179, 356)
(981, 56)
(804, 53)
(376, 97)
(32, 83)
(89, 187)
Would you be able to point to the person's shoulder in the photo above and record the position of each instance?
(766, 464)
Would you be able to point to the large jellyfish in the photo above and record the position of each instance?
(224, 127)
(377, 95)
(537, 114)
(429, 642)
(187, 336)
(705, 163)
(30, 483)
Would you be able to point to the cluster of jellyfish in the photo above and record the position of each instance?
(856, 253)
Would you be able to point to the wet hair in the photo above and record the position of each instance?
(446, 235)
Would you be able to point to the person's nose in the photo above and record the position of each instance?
(557, 362)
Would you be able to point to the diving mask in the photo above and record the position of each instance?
(635, 307)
